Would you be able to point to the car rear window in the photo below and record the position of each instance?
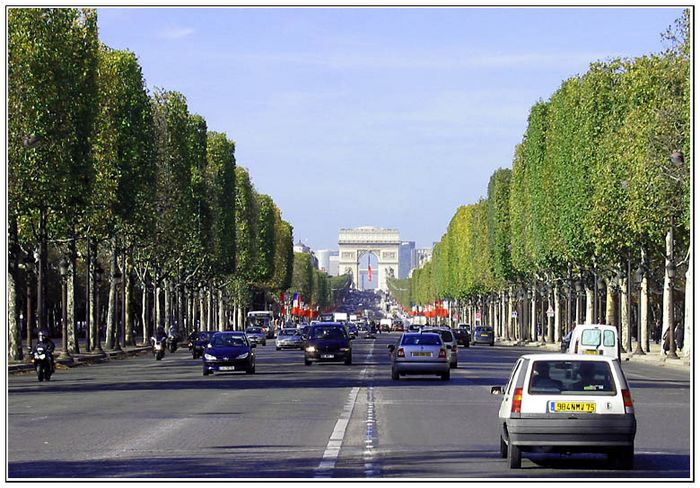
(327, 333)
(426, 339)
(590, 337)
(609, 338)
(571, 378)
(254, 329)
(228, 340)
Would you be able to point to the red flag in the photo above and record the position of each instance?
(369, 271)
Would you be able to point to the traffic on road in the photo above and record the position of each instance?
(386, 406)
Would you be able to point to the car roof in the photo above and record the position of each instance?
(563, 356)
(232, 332)
(325, 324)
(596, 326)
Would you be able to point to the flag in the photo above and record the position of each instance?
(369, 271)
(295, 304)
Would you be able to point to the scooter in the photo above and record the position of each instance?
(158, 348)
(171, 342)
(42, 363)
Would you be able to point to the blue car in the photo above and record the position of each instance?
(228, 352)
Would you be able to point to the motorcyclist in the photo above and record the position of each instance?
(48, 345)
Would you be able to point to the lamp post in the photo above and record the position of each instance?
(63, 269)
(642, 333)
(579, 290)
(98, 282)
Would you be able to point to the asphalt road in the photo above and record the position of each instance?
(139, 418)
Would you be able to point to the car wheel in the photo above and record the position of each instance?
(264, 343)
(348, 360)
(206, 373)
(624, 458)
(445, 376)
(250, 370)
(394, 374)
(279, 348)
(504, 448)
(307, 362)
(514, 456)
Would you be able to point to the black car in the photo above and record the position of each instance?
(327, 341)
(462, 336)
(199, 342)
(229, 351)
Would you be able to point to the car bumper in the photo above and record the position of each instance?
(288, 345)
(482, 340)
(597, 431)
(226, 366)
(323, 356)
(423, 367)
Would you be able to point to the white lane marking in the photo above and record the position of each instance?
(330, 455)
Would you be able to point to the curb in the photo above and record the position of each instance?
(83, 359)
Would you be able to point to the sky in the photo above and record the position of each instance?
(389, 117)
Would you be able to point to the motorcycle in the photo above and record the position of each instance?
(42, 363)
(158, 348)
(171, 342)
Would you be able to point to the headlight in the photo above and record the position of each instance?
(310, 349)
(243, 356)
(344, 349)
(209, 357)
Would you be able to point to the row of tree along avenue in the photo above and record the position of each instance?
(592, 223)
(124, 211)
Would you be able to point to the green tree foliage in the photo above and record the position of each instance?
(220, 191)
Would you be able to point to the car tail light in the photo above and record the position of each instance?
(627, 399)
(517, 400)
(400, 353)
(443, 354)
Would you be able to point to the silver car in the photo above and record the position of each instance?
(423, 353)
(448, 338)
(256, 335)
(289, 338)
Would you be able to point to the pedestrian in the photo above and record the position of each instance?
(678, 335)
(656, 331)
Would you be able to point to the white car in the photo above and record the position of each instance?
(564, 403)
(596, 339)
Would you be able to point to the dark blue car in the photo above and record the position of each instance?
(228, 352)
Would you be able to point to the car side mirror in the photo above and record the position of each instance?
(497, 390)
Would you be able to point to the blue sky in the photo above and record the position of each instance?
(390, 117)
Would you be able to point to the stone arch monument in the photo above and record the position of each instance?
(383, 243)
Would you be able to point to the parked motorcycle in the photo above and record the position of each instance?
(158, 348)
(42, 363)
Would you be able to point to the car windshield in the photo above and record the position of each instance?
(228, 340)
(426, 339)
(483, 329)
(590, 337)
(254, 330)
(571, 378)
(327, 333)
(288, 332)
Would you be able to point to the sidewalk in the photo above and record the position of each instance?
(653, 357)
(78, 359)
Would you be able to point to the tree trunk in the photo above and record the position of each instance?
(589, 305)
(145, 326)
(557, 315)
(609, 304)
(156, 302)
(111, 325)
(688, 316)
(510, 334)
(202, 324)
(668, 292)
(129, 338)
(644, 313)
(14, 336)
(533, 315)
(222, 313)
(624, 318)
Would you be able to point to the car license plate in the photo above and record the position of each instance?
(484, 335)
(585, 407)
(227, 368)
(426, 354)
(327, 356)
(590, 351)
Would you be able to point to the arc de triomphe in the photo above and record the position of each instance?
(383, 243)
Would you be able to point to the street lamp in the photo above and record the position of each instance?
(98, 282)
(677, 160)
(638, 277)
(63, 269)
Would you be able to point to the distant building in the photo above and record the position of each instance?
(423, 256)
(334, 265)
(304, 249)
(407, 258)
(324, 260)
